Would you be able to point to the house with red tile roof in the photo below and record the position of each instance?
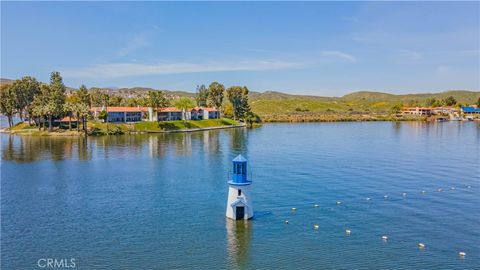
(136, 114)
(196, 113)
(121, 114)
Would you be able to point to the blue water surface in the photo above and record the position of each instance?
(157, 201)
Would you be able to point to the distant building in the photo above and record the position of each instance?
(470, 110)
(172, 114)
(121, 114)
(417, 111)
(443, 110)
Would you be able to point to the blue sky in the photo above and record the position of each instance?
(321, 48)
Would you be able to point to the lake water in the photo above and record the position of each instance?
(158, 201)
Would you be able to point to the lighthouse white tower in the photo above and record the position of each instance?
(239, 203)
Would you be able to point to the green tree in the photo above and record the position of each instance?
(157, 99)
(397, 108)
(83, 106)
(215, 95)
(115, 101)
(238, 96)
(70, 108)
(7, 102)
(252, 118)
(184, 104)
(201, 95)
(41, 107)
(103, 115)
(84, 96)
(25, 90)
(429, 102)
(83, 110)
(56, 98)
(450, 101)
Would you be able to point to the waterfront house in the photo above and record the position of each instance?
(417, 111)
(470, 110)
(172, 114)
(121, 114)
(167, 114)
(443, 110)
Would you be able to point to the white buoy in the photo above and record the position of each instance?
(423, 192)
(462, 254)
(339, 202)
(469, 186)
(286, 221)
(368, 199)
(385, 196)
(421, 245)
(315, 227)
(384, 238)
(404, 194)
(439, 190)
(316, 205)
(452, 188)
(348, 232)
(294, 209)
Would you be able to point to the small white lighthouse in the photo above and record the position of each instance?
(239, 203)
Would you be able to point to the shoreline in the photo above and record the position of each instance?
(74, 133)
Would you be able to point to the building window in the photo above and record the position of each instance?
(239, 192)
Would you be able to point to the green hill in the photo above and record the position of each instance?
(274, 106)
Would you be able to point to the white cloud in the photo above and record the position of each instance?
(340, 55)
(116, 70)
(411, 55)
(137, 42)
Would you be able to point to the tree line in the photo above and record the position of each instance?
(42, 103)
(235, 106)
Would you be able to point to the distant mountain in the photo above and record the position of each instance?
(5, 81)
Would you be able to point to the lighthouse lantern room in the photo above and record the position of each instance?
(239, 203)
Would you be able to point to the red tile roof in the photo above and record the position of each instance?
(169, 109)
(120, 109)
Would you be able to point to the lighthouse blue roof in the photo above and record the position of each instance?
(239, 158)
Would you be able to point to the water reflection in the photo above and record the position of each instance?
(29, 149)
(239, 234)
(25, 149)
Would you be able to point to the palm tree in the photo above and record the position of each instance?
(184, 104)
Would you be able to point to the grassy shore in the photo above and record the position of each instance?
(96, 128)
(339, 117)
